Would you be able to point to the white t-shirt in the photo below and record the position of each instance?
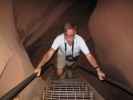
(79, 45)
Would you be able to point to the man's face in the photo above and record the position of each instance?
(70, 32)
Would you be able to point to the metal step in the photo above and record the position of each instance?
(68, 89)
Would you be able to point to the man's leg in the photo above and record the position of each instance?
(71, 68)
(60, 65)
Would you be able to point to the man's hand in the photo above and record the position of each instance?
(101, 74)
(45, 59)
(38, 71)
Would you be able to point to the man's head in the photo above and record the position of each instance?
(70, 29)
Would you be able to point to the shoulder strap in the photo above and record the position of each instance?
(73, 48)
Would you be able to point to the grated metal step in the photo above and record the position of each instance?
(68, 89)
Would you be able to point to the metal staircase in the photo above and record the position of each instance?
(68, 89)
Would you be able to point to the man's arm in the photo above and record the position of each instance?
(46, 57)
(44, 60)
(93, 62)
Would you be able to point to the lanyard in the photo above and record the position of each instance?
(72, 47)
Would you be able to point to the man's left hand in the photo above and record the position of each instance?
(101, 74)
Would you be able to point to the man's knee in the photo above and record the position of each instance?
(60, 71)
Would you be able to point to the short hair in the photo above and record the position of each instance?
(69, 25)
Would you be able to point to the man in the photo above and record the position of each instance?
(69, 44)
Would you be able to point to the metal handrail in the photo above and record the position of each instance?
(17, 89)
(111, 82)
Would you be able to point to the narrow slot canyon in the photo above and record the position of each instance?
(28, 29)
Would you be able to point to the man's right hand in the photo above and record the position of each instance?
(38, 71)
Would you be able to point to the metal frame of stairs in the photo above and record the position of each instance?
(68, 89)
